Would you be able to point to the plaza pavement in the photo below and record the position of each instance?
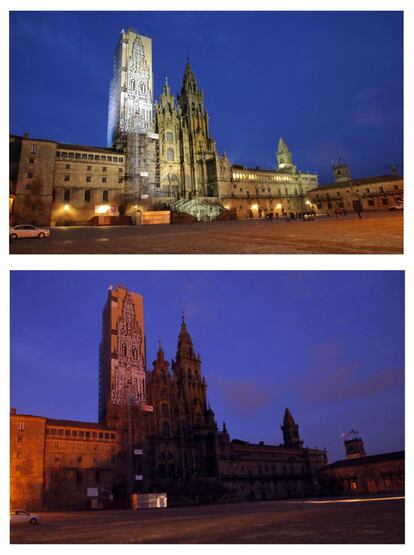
(375, 233)
(332, 521)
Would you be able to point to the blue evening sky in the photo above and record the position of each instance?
(329, 345)
(330, 83)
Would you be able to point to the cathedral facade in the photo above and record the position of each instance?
(156, 433)
(159, 156)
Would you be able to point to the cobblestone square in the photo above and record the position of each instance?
(375, 233)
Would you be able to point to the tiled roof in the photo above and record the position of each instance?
(395, 455)
(75, 423)
(356, 182)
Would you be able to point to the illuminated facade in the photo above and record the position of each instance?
(160, 155)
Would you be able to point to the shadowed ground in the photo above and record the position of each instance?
(374, 520)
(375, 233)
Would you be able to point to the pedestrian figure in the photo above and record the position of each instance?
(359, 214)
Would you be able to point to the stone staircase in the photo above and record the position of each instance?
(205, 209)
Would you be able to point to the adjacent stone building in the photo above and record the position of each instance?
(347, 195)
(156, 432)
(361, 474)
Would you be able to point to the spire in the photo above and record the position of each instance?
(167, 89)
(185, 343)
(160, 352)
(189, 80)
(282, 147)
(288, 418)
(290, 431)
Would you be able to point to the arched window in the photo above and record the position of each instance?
(165, 429)
(142, 87)
(123, 350)
(193, 107)
(170, 137)
(134, 353)
(170, 155)
(132, 85)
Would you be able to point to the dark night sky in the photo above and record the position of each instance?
(329, 345)
(330, 83)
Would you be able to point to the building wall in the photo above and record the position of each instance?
(78, 458)
(35, 182)
(367, 194)
(368, 476)
(257, 193)
(86, 183)
(27, 464)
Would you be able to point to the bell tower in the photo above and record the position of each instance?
(290, 431)
(190, 385)
(284, 158)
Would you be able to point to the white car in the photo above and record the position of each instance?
(28, 230)
(19, 516)
(397, 207)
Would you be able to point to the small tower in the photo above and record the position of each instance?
(284, 158)
(340, 170)
(354, 448)
(290, 431)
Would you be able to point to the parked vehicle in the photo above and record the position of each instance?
(398, 206)
(28, 230)
(18, 516)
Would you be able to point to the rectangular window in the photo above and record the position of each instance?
(115, 159)
(66, 195)
(67, 166)
(120, 180)
(29, 175)
(96, 157)
(87, 195)
(79, 458)
(53, 195)
(94, 434)
(89, 168)
(18, 455)
(33, 149)
(109, 158)
(104, 168)
(87, 434)
(104, 180)
(66, 178)
(105, 196)
(21, 426)
(384, 201)
(371, 202)
(63, 154)
(88, 178)
(31, 160)
(67, 432)
(90, 156)
(56, 445)
(19, 439)
(97, 477)
(120, 170)
(84, 156)
(57, 154)
(77, 155)
(71, 155)
(81, 433)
